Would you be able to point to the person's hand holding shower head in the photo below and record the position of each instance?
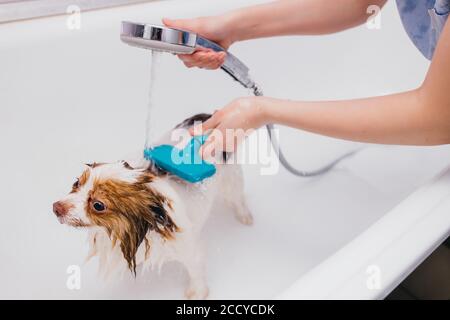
(212, 28)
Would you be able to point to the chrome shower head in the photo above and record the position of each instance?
(160, 38)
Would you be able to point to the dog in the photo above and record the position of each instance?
(138, 214)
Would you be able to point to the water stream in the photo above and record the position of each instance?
(149, 124)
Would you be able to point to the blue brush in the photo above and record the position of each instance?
(186, 164)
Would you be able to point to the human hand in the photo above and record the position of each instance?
(212, 28)
(228, 126)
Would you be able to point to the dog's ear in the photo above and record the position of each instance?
(133, 209)
(164, 223)
(140, 209)
(152, 216)
(131, 237)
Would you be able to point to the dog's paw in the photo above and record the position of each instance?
(196, 293)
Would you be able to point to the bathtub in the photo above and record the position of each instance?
(71, 96)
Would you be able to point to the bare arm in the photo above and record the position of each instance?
(298, 17)
(283, 17)
(417, 117)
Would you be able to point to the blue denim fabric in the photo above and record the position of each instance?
(423, 21)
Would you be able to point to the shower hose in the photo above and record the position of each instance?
(301, 173)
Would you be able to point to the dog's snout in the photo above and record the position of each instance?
(60, 208)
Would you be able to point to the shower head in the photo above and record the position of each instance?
(160, 38)
(153, 37)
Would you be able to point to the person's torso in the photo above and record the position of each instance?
(423, 21)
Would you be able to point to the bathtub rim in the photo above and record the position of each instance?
(425, 209)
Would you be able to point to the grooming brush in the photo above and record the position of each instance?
(186, 163)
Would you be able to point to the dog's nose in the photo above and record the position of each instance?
(60, 209)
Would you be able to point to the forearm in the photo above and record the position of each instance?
(417, 117)
(404, 118)
(300, 17)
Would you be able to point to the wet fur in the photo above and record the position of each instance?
(136, 210)
(151, 216)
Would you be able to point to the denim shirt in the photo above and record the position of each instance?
(423, 21)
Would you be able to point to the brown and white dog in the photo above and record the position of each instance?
(137, 214)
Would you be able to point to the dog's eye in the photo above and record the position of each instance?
(76, 184)
(98, 206)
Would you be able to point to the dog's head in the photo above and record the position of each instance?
(120, 199)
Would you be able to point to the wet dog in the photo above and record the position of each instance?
(137, 214)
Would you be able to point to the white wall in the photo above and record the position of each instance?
(12, 10)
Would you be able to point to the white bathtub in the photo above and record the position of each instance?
(74, 96)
